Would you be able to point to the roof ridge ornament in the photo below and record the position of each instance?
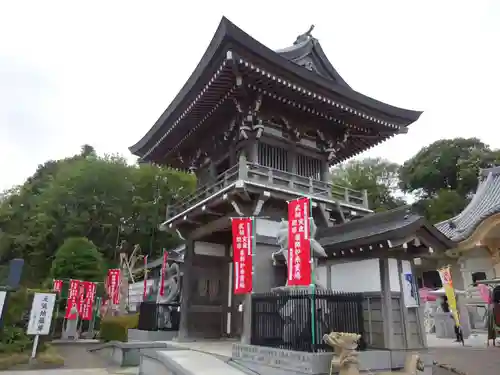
(304, 37)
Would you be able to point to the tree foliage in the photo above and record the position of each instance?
(444, 175)
(100, 198)
(378, 176)
(451, 164)
(78, 258)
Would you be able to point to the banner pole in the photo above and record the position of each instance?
(313, 286)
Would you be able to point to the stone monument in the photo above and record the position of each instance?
(71, 330)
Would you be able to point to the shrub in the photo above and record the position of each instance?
(115, 328)
(78, 258)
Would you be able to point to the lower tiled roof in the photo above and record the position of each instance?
(486, 202)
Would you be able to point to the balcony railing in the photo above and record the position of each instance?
(274, 178)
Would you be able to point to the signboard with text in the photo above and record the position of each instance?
(41, 313)
(242, 254)
(299, 246)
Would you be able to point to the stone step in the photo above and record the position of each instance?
(183, 362)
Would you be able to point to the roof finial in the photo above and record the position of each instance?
(304, 37)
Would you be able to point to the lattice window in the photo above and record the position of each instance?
(308, 167)
(273, 157)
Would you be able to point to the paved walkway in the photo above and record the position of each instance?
(472, 359)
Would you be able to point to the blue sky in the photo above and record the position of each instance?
(102, 72)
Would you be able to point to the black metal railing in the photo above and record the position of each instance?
(159, 316)
(285, 320)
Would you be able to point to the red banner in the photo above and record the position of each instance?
(80, 300)
(242, 255)
(163, 270)
(88, 300)
(72, 303)
(57, 286)
(145, 291)
(113, 285)
(299, 246)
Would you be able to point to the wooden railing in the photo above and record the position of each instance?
(273, 178)
(222, 180)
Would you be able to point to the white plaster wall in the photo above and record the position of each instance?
(394, 274)
(322, 275)
(356, 277)
(265, 227)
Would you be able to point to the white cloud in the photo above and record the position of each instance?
(102, 73)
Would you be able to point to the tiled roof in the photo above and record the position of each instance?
(383, 225)
(485, 203)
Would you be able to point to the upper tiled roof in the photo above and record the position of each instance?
(485, 203)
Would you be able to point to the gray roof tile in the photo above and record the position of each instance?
(486, 202)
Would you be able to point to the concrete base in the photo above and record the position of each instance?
(274, 361)
(125, 354)
(139, 335)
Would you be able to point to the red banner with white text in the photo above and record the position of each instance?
(242, 254)
(57, 286)
(72, 303)
(299, 245)
(88, 300)
(113, 285)
(163, 270)
(145, 289)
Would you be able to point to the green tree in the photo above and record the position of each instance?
(450, 164)
(101, 198)
(78, 258)
(378, 176)
(445, 204)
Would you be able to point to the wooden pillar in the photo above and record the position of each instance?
(187, 279)
(402, 302)
(420, 314)
(387, 312)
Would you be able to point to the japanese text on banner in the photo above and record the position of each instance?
(299, 246)
(163, 270)
(88, 304)
(242, 255)
(57, 286)
(113, 284)
(72, 303)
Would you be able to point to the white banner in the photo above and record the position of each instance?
(3, 295)
(41, 313)
(410, 290)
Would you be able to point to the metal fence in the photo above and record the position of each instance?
(159, 317)
(285, 320)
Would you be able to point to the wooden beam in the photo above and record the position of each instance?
(214, 226)
(208, 211)
(263, 197)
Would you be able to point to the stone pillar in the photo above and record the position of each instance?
(186, 291)
(387, 312)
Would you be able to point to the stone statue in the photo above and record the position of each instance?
(346, 356)
(171, 284)
(71, 330)
(316, 249)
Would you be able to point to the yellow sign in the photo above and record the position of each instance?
(445, 274)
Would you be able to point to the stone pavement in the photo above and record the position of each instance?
(472, 359)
